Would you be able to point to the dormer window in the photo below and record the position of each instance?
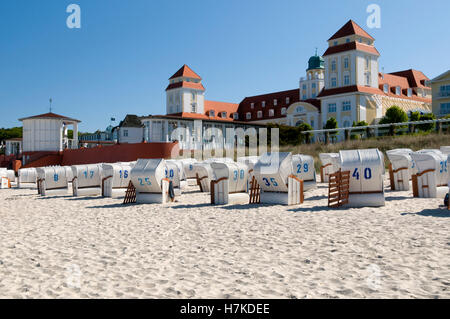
(236, 116)
(275, 102)
(386, 88)
(252, 105)
(398, 90)
(211, 113)
(263, 103)
(271, 112)
(409, 92)
(248, 116)
(223, 115)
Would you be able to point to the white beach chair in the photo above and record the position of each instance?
(230, 184)
(366, 169)
(149, 179)
(52, 180)
(330, 165)
(431, 180)
(27, 177)
(87, 180)
(115, 179)
(278, 184)
(303, 167)
(401, 168)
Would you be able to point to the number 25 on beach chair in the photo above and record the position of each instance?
(148, 177)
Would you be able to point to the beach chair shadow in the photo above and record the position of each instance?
(186, 206)
(84, 198)
(55, 196)
(117, 205)
(390, 199)
(441, 212)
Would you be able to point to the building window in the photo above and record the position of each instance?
(299, 109)
(445, 108)
(333, 82)
(252, 105)
(275, 102)
(398, 90)
(313, 85)
(194, 107)
(271, 112)
(283, 111)
(314, 95)
(346, 63)
(346, 79)
(259, 114)
(304, 86)
(367, 62)
(409, 92)
(304, 97)
(332, 108)
(211, 113)
(288, 100)
(263, 103)
(386, 88)
(125, 133)
(224, 115)
(236, 116)
(347, 124)
(444, 91)
(333, 65)
(347, 40)
(335, 43)
(368, 79)
(193, 96)
(312, 123)
(248, 116)
(346, 106)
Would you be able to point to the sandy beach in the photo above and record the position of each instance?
(66, 247)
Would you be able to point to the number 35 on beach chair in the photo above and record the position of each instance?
(278, 185)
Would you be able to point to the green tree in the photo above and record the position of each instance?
(360, 131)
(290, 135)
(8, 133)
(394, 114)
(331, 124)
(414, 116)
(429, 126)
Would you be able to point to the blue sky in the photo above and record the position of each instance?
(120, 60)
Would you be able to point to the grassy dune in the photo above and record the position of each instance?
(414, 142)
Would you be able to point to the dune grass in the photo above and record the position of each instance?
(414, 142)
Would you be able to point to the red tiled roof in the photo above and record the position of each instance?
(185, 84)
(49, 116)
(378, 91)
(415, 78)
(351, 46)
(219, 107)
(350, 28)
(245, 105)
(187, 72)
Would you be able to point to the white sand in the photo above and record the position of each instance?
(96, 248)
